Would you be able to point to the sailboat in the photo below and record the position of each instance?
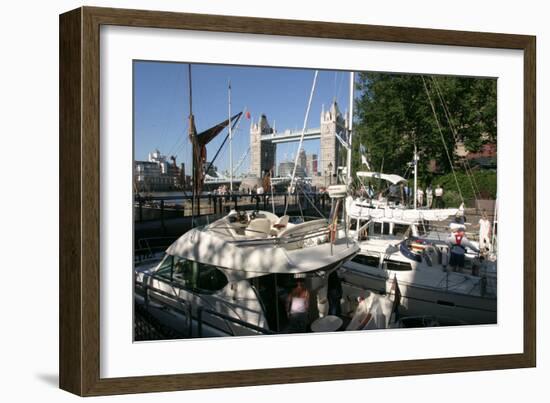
(396, 248)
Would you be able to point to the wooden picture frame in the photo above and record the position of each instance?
(79, 200)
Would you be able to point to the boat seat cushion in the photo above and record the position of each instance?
(258, 228)
(281, 222)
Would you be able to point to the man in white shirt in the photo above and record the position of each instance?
(484, 233)
(429, 196)
(458, 243)
(420, 197)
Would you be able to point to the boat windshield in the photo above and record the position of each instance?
(192, 275)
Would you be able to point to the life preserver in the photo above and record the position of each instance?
(458, 238)
(405, 251)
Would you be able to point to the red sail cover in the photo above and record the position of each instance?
(199, 142)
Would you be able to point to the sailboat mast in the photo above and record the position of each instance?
(350, 124)
(415, 175)
(230, 142)
(191, 137)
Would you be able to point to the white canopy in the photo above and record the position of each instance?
(364, 211)
(395, 179)
(252, 257)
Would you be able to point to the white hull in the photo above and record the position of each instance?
(418, 299)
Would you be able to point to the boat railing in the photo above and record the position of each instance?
(187, 309)
(294, 237)
(147, 248)
(362, 230)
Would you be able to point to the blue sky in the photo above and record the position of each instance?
(161, 103)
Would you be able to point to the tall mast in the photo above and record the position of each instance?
(350, 124)
(230, 142)
(192, 138)
(415, 174)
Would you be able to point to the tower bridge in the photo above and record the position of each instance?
(264, 140)
(290, 136)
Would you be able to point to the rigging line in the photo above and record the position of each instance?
(175, 89)
(182, 141)
(465, 162)
(224, 140)
(235, 129)
(313, 204)
(240, 162)
(299, 203)
(303, 134)
(442, 138)
(176, 143)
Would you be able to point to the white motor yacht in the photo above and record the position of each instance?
(233, 276)
(394, 250)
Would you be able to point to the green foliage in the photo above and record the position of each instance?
(451, 199)
(394, 113)
(486, 182)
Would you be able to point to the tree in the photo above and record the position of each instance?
(396, 111)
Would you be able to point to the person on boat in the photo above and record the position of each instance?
(484, 233)
(370, 191)
(458, 243)
(420, 197)
(459, 222)
(429, 196)
(439, 196)
(298, 307)
(334, 294)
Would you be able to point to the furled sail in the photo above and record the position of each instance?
(363, 210)
(199, 142)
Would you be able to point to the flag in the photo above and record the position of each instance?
(247, 115)
(396, 297)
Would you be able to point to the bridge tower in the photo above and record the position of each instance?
(332, 122)
(262, 153)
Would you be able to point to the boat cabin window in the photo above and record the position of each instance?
(367, 260)
(397, 266)
(191, 275)
(165, 268)
(401, 230)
